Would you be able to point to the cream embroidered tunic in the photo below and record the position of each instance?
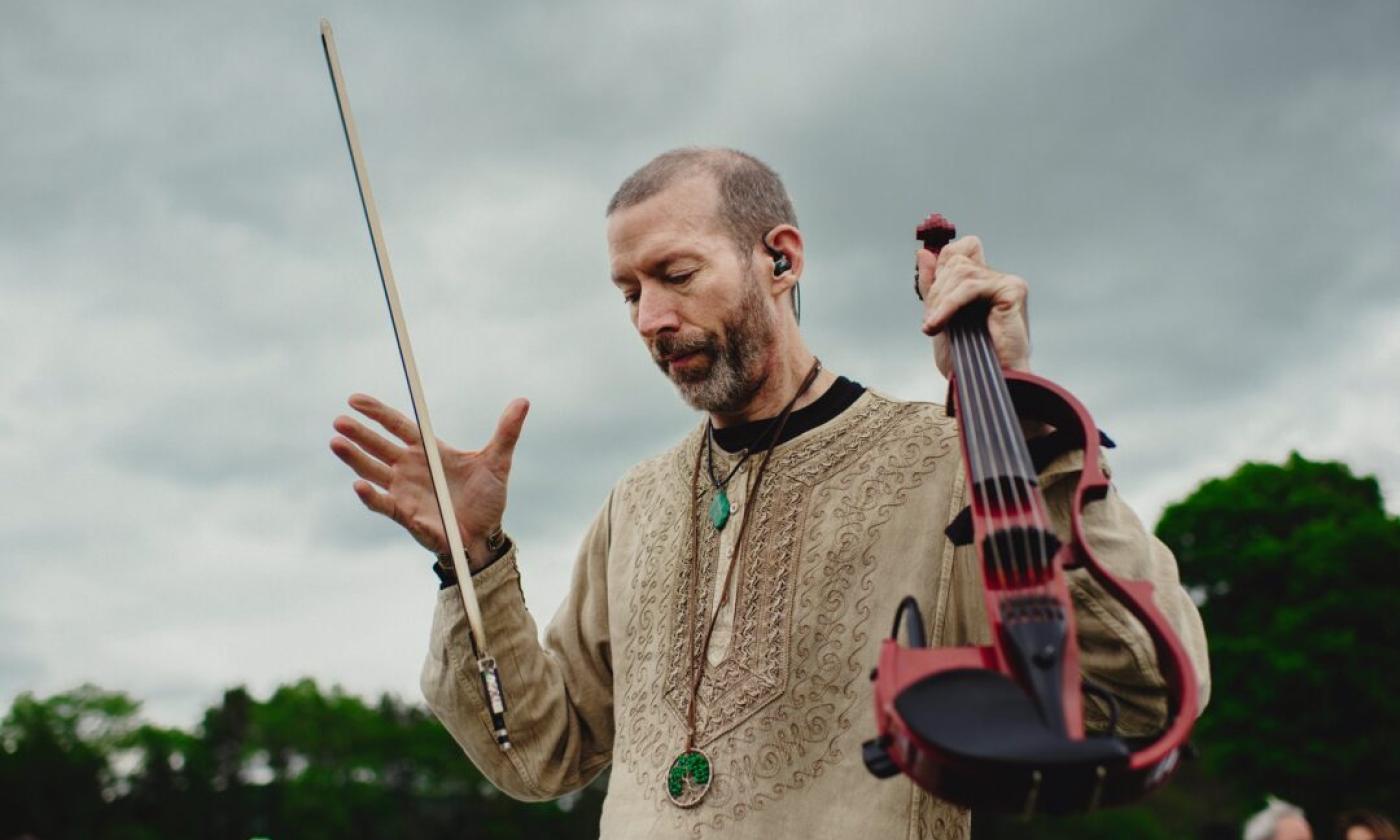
(849, 520)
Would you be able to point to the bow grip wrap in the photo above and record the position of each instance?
(495, 699)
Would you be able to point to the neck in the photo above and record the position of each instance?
(787, 367)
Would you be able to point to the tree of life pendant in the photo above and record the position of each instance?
(719, 509)
(688, 780)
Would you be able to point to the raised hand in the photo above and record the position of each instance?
(394, 478)
(959, 275)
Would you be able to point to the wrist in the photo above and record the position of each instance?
(478, 555)
(480, 551)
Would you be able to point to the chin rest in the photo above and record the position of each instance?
(982, 715)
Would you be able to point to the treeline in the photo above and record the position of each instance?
(304, 763)
(1296, 565)
(1297, 568)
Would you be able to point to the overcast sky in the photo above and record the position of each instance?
(1203, 198)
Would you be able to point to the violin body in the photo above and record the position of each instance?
(1000, 727)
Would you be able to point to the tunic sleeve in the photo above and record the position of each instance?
(558, 694)
(1115, 650)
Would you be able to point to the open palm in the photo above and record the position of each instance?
(395, 481)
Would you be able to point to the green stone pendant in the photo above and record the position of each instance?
(688, 780)
(719, 509)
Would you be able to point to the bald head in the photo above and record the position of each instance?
(752, 199)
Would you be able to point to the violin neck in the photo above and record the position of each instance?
(996, 446)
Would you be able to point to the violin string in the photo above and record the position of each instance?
(980, 408)
(989, 372)
(965, 419)
(975, 411)
(977, 434)
(1039, 512)
(1013, 445)
(970, 416)
(992, 457)
(1035, 500)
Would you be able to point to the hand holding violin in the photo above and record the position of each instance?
(959, 275)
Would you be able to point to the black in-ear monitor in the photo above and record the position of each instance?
(781, 263)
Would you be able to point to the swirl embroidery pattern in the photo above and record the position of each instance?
(776, 707)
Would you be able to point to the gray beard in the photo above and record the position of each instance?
(735, 374)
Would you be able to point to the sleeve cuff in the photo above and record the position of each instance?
(447, 576)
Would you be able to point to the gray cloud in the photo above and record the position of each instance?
(1203, 200)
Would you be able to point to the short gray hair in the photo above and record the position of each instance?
(752, 198)
(1262, 825)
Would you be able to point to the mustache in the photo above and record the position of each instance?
(670, 345)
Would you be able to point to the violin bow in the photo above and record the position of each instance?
(486, 664)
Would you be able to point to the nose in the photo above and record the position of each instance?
(656, 313)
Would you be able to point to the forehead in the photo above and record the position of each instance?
(682, 216)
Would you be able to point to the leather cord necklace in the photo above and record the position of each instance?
(689, 776)
(720, 507)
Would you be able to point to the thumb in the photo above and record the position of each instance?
(508, 428)
(925, 265)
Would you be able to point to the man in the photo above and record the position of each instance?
(728, 601)
(1279, 820)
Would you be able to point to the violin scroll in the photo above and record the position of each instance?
(935, 232)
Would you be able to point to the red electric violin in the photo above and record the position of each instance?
(1000, 727)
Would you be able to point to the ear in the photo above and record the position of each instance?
(784, 241)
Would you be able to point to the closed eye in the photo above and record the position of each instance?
(679, 278)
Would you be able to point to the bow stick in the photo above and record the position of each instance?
(486, 665)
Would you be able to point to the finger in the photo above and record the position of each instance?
(364, 466)
(1004, 291)
(368, 440)
(925, 271)
(396, 422)
(952, 299)
(967, 246)
(374, 500)
(1011, 300)
(502, 444)
(953, 272)
(926, 262)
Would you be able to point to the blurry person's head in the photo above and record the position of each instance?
(1365, 825)
(1278, 821)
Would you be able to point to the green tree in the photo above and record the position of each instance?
(56, 768)
(304, 763)
(1299, 568)
(162, 798)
